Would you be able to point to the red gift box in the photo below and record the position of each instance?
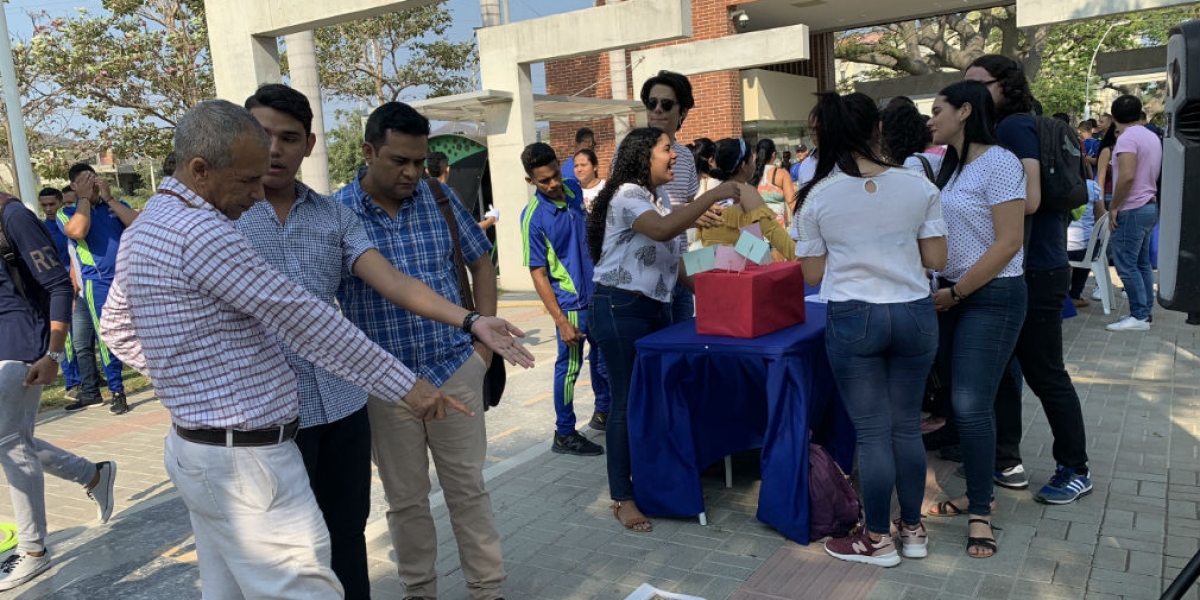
(758, 301)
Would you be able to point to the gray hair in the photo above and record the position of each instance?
(209, 130)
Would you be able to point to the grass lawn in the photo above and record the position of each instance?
(52, 395)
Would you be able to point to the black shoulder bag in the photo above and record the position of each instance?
(496, 377)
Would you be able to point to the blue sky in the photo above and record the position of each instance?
(465, 12)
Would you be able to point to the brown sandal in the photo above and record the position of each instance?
(947, 508)
(634, 523)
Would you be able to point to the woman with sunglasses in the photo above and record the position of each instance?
(734, 161)
(867, 235)
(633, 237)
(981, 291)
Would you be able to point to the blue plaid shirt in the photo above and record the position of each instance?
(315, 247)
(418, 243)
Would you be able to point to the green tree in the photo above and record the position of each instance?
(134, 71)
(344, 146)
(378, 60)
(1055, 57)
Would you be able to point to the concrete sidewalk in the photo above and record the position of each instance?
(1128, 539)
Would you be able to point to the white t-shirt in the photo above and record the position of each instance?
(589, 195)
(870, 238)
(994, 178)
(630, 260)
(914, 163)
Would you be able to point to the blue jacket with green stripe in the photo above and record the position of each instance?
(554, 236)
(98, 249)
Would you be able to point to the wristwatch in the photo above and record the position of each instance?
(469, 321)
(58, 357)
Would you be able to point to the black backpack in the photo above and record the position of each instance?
(22, 278)
(1063, 175)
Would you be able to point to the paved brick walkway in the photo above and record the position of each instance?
(1141, 395)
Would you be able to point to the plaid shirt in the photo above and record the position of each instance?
(317, 244)
(418, 243)
(198, 311)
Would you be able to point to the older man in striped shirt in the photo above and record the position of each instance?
(199, 312)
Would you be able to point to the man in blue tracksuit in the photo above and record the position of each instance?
(94, 226)
(554, 233)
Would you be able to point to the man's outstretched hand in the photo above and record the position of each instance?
(498, 335)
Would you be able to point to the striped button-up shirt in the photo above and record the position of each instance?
(197, 310)
(418, 243)
(315, 246)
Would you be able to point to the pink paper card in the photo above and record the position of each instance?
(754, 229)
(728, 259)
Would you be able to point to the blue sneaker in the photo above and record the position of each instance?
(1064, 488)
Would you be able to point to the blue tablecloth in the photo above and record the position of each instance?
(696, 399)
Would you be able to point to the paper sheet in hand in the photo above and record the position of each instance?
(728, 259)
(754, 229)
(699, 261)
(753, 248)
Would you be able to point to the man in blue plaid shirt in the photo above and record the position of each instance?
(315, 240)
(403, 220)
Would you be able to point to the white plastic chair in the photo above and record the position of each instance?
(1096, 259)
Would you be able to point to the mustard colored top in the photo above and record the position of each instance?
(735, 218)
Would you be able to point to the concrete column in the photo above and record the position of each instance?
(510, 128)
(241, 60)
(302, 66)
(18, 147)
(618, 74)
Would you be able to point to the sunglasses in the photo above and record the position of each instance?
(665, 103)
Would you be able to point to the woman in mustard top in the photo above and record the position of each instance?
(734, 161)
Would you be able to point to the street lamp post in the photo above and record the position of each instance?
(1087, 84)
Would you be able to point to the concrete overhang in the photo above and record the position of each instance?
(472, 106)
(839, 15)
(1031, 13)
(746, 51)
(1131, 67)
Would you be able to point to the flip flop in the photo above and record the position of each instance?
(947, 508)
(632, 523)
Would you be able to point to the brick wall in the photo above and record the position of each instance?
(718, 112)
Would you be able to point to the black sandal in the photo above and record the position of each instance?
(978, 542)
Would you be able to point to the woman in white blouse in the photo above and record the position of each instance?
(867, 234)
(587, 172)
(633, 236)
(981, 291)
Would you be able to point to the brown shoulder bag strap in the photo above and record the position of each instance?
(460, 263)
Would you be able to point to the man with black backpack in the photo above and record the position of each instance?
(1053, 166)
(35, 314)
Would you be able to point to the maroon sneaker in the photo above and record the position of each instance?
(859, 547)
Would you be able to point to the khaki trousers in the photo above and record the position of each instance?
(401, 445)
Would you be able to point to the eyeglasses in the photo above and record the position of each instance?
(990, 81)
(666, 104)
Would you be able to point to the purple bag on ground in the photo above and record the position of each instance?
(833, 506)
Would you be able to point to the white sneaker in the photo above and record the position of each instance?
(21, 567)
(1096, 295)
(1130, 324)
(102, 494)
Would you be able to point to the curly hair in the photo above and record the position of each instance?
(1014, 87)
(904, 132)
(632, 165)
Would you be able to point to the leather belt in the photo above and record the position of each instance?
(231, 438)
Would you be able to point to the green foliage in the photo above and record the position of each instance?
(344, 146)
(380, 59)
(133, 71)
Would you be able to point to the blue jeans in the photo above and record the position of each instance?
(683, 304)
(1129, 248)
(977, 337)
(96, 293)
(83, 340)
(881, 355)
(618, 319)
(566, 372)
